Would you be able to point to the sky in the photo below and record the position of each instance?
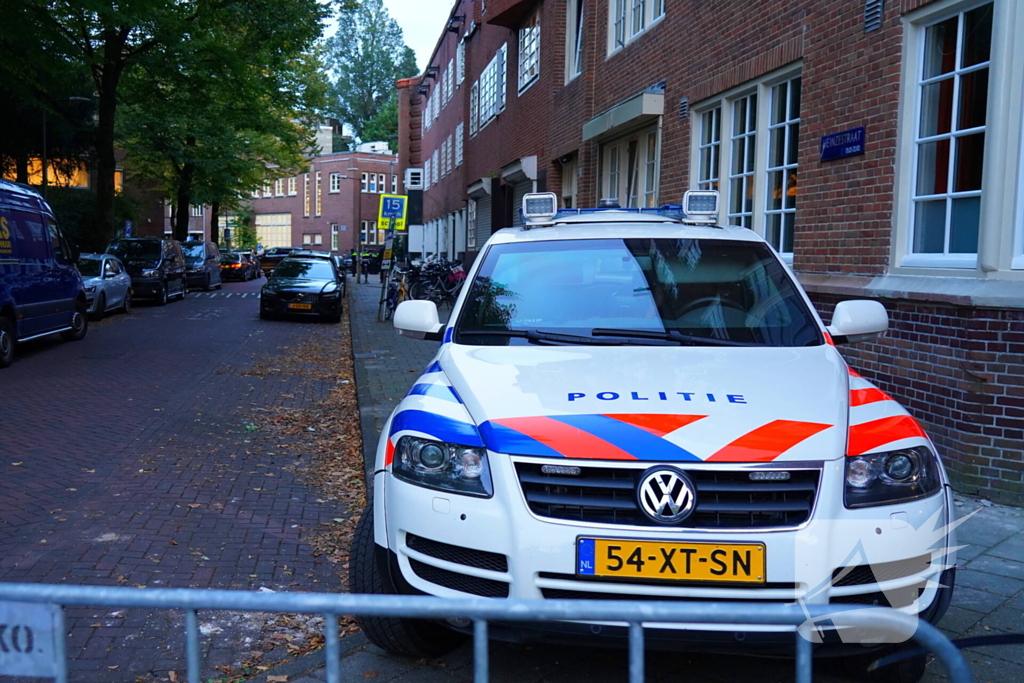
(421, 22)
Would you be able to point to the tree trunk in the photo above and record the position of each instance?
(21, 168)
(215, 222)
(106, 163)
(183, 200)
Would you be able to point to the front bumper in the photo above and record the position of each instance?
(540, 556)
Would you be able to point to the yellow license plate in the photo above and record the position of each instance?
(301, 307)
(663, 560)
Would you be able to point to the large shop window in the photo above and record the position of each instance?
(949, 144)
(274, 229)
(630, 169)
(745, 146)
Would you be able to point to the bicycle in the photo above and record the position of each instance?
(397, 292)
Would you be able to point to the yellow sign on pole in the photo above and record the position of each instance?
(392, 212)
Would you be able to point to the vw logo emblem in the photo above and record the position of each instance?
(666, 495)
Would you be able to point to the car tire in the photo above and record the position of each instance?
(101, 307)
(407, 637)
(909, 670)
(127, 305)
(266, 315)
(6, 341)
(334, 317)
(79, 323)
(161, 295)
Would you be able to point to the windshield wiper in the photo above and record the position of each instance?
(539, 337)
(668, 335)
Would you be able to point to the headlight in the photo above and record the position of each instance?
(891, 477)
(444, 466)
(151, 273)
(90, 289)
(333, 294)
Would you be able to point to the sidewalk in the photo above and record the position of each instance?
(989, 598)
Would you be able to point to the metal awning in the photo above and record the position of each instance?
(633, 112)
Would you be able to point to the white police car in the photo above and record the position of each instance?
(637, 404)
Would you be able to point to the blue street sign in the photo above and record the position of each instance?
(392, 207)
(846, 144)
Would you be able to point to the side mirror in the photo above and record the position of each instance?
(857, 321)
(418, 319)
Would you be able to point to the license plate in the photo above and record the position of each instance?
(301, 307)
(664, 560)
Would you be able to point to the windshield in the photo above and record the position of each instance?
(194, 249)
(136, 252)
(279, 251)
(704, 292)
(89, 267)
(229, 258)
(305, 270)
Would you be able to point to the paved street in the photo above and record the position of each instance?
(129, 463)
(989, 598)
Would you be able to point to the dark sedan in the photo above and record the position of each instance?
(303, 287)
(237, 267)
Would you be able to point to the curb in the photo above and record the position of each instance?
(314, 660)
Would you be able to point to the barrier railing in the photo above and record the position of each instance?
(32, 623)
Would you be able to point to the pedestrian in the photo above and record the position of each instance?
(364, 265)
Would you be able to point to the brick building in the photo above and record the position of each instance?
(331, 207)
(916, 199)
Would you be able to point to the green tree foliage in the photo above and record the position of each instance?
(367, 54)
(384, 124)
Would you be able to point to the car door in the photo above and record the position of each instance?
(115, 282)
(32, 287)
(213, 263)
(67, 281)
(175, 263)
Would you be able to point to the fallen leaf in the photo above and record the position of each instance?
(194, 505)
(277, 679)
(18, 463)
(96, 625)
(173, 676)
(370, 674)
(113, 668)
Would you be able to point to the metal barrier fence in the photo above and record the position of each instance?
(32, 621)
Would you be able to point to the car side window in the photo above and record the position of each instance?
(30, 235)
(60, 248)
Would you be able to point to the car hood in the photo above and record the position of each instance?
(683, 404)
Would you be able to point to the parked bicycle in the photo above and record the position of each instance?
(439, 281)
(397, 292)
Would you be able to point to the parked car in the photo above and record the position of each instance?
(645, 406)
(235, 266)
(303, 286)
(108, 286)
(41, 291)
(202, 264)
(156, 266)
(339, 266)
(273, 256)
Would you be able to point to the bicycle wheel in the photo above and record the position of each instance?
(420, 290)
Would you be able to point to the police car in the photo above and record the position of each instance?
(639, 404)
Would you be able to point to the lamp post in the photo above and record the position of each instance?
(357, 266)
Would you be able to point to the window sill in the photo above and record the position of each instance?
(529, 84)
(963, 261)
(949, 290)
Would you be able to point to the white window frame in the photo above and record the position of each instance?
(307, 238)
(630, 19)
(364, 183)
(625, 182)
(335, 183)
(529, 52)
(449, 80)
(435, 162)
(570, 184)
(293, 184)
(493, 85)
(574, 23)
(761, 89)
(394, 184)
(268, 189)
(992, 207)
(319, 204)
(382, 183)
(426, 174)
(279, 187)
(474, 108)
(459, 144)
(471, 224)
(460, 62)
(709, 149)
(787, 127)
(334, 237)
(368, 233)
(305, 194)
(197, 210)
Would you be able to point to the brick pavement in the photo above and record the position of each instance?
(989, 596)
(130, 464)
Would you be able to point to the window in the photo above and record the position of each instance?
(334, 237)
(709, 149)
(256, 194)
(335, 182)
(364, 183)
(268, 189)
(471, 223)
(574, 39)
(369, 233)
(569, 181)
(529, 52)
(460, 62)
(318, 238)
(435, 163)
(459, 144)
(197, 210)
(426, 174)
(312, 238)
(952, 94)
(491, 99)
(305, 196)
(474, 108)
(274, 229)
(783, 140)
(293, 186)
(307, 238)
(628, 19)
(746, 144)
(382, 179)
(449, 80)
(279, 187)
(448, 144)
(319, 195)
(373, 183)
(630, 169)
(394, 184)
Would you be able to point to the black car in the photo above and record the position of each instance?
(235, 266)
(339, 266)
(303, 286)
(202, 264)
(157, 267)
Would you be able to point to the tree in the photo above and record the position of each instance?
(368, 54)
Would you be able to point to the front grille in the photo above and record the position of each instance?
(481, 559)
(726, 498)
(883, 571)
(897, 597)
(459, 582)
(305, 297)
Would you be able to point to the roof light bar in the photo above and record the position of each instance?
(539, 208)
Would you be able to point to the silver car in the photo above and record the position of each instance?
(108, 286)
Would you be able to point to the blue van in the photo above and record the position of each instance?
(41, 291)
